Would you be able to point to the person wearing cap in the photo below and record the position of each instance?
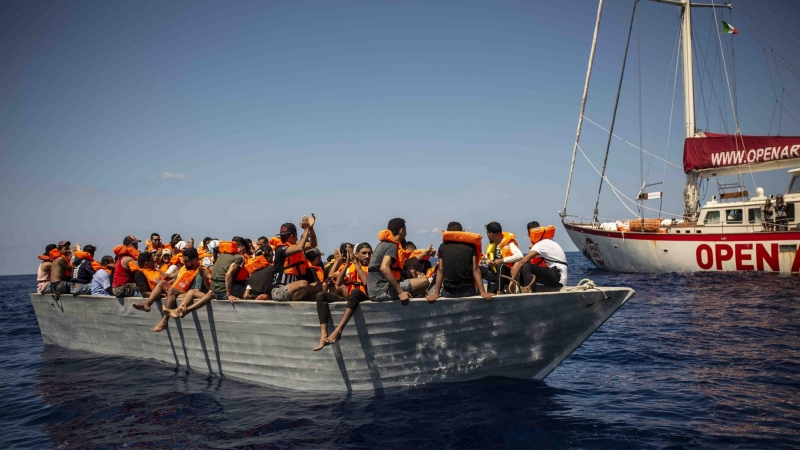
(82, 274)
(223, 274)
(43, 272)
(101, 281)
(502, 252)
(174, 240)
(291, 278)
(123, 283)
(61, 270)
(314, 258)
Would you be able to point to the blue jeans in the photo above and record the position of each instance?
(468, 291)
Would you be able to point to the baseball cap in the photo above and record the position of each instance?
(494, 227)
(288, 228)
(64, 243)
(180, 245)
(130, 239)
(48, 248)
(313, 253)
(176, 236)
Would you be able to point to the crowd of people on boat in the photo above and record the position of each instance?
(774, 216)
(290, 267)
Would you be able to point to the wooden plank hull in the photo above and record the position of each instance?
(385, 345)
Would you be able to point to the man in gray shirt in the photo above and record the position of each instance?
(385, 270)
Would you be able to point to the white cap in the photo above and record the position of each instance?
(180, 245)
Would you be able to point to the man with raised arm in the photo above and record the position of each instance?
(291, 278)
(385, 277)
(61, 270)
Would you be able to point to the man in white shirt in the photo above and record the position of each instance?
(101, 282)
(545, 261)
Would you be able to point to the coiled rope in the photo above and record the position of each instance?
(584, 285)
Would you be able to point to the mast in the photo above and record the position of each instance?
(690, 197)
(583, 105)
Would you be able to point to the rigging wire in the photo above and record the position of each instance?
(639, 76)
(714, 91)
(616, 105)
(632, 144)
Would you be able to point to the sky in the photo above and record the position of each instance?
(229, 118)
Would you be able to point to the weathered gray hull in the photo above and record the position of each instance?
(518, 336)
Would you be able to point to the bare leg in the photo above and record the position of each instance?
(297, 290)
(419, 286)
(323, 335)
(188, 298)
(204, 299)
(311, 292)
(161, 287)
(171, 303)
(337, 333)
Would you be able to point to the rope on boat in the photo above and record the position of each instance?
(584, 285)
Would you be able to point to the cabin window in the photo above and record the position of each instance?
(712, 218)
(794, 186)
(733, 216)
(790, 208)
(754, 216)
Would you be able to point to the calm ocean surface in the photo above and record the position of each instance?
(703, 360)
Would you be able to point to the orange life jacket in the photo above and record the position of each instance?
(242, 273)
(151, 248)
(257, 263)
(97, 266)
(185, 279)
(177, 260)
(319, 270)
(505, 247)
(203, 252)
(352, 280)
(45, 257)
(419, 254)
(295, 264)
(464, 237)
(536, 235)
(228, 247)
(153, 277)
(122, 250)
(400, 259)
(164, 268)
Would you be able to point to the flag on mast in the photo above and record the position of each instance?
(728, 28)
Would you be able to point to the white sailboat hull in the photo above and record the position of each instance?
(518, 336)
(661, 253)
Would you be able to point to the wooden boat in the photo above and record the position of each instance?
(522, 336)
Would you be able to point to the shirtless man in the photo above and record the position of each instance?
(43, 273)
(60, 270)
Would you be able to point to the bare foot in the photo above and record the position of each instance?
(322, 344)
(141, 307)
(334, 338)
(160, 327)
(174, 313)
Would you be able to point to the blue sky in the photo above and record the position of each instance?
(224, 118)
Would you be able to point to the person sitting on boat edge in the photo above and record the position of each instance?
(459, 273)
(502, 252)
(147, 276)
(353, 278)
(385, 273)
(101, 281)
(43, 272)
(123, 285)
(228, 263)
(546, 263)
(60, 271)
(83, 272)
(291, 278)
(181, 288)
(261, 273)
(423, 264)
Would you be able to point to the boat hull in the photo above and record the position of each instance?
(521, 336)
(662, 253)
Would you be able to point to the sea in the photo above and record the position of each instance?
(705, 360)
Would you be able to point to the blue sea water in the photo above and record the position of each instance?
(696, 360)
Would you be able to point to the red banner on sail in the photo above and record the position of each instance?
(725, 150)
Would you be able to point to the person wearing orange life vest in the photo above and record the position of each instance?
(260, 274)
(459, 273)
(122, 284)
(101, 281)
(180, 288)
(60, 271)
(292, 280)
(154, 244)
(229, 263)
(501, 253)
(81, 281)
(423, 264)
(43, 272)
(147, 276)
(353, 277)
(385, 274)
(546, 263)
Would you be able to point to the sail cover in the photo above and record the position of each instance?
(717, 151)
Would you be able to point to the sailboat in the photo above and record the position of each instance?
(728, 234)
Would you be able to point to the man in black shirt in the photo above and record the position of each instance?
(459, 274)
